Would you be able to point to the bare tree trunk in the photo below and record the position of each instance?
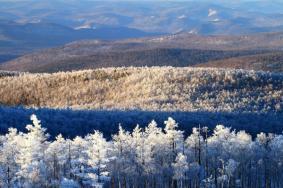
(112, 182)
(119, 182)
(215, 177)
(8, 177)
(69, 159)
(124, 182)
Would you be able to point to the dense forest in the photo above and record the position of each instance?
(179, 50)
(149, 89)
(272, 61)
(71, 57)
(149, 157)
(71, 123)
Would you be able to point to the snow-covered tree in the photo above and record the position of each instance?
(77, 157)
(97, 150)
(122, 157)
(180, 167)
(154, 153)
(174, 137)
(56, 159)
(69, 183)
(9, 150)
(195, 143)
(32, 169)
(141, 158)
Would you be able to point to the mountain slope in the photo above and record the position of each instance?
(150, 89)
(266, 62)
(182, 49)
(55, 60)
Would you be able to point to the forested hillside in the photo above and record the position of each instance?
(178, 50)
(8, 73)
(71, 123)
(70, 58)
(150, 157)
(151, 89)
(272, 61)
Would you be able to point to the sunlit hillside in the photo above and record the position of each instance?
(157, 89)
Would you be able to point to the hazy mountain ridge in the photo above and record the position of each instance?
(153, 16)
(17, 39)
(45, 24)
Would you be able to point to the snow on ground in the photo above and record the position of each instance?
(211, 12)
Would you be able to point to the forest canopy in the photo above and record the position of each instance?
(148, 89)
(151, 157)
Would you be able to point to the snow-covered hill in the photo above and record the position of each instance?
(150, 89)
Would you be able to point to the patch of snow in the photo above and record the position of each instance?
(85, 26)
(35, 21)
(179, 30)
(159, 39)
(182, 16)
(193, 31)
(27, 21)
(215, 20)
(164, 38)
(211, 12)
(80, 19)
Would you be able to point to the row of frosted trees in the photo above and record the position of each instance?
(150, 157)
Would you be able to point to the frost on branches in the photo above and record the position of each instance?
(149, 157)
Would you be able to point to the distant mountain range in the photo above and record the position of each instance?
(202, 17)
(30, 25)
(17, 39)
(179, 50)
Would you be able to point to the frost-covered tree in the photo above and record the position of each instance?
(77, 157)
(180, 167)
(142, 158)
(149, 89)
(174, 137)
(138, 140)
(195, 143)
(69, 183)
(195, 149)
(122, 157)
(154, 154)
(175, 144)
(56, 159)
(97, 150)
(263, 142)
(32, 169)
(217, 147)
(9, 150)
